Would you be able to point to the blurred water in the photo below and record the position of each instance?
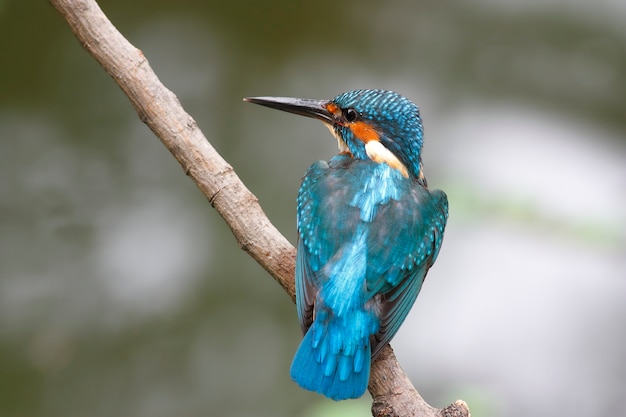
(123, 293)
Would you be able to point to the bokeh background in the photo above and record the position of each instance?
(122, 293)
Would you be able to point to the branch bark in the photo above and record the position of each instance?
(392, 392)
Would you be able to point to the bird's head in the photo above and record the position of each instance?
(368, 124)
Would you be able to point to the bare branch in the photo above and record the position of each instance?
(158, 107)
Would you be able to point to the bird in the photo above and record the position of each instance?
(369, 229)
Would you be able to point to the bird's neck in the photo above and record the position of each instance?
(376, 152)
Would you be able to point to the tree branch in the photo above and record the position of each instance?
(158, 107)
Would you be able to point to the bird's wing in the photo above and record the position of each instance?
(404, 242)
(325, 223)
(306, 289)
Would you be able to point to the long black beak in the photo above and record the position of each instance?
(302, 106)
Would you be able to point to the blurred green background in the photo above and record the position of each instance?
(122, 293)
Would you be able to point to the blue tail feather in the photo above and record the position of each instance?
(333, 362)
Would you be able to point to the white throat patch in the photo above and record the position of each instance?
(340, 143)
(378, 153)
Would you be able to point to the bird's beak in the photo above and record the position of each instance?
(316, 109)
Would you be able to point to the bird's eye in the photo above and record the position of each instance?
(350, 115)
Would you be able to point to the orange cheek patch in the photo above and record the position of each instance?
(364, 132)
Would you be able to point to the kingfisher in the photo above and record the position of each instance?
(369, 229)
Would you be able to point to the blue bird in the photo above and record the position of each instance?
(369, 230)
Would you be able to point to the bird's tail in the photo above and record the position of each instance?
(334, 358)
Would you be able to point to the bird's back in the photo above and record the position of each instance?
(367, 236)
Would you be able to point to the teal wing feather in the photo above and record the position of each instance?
(325, 223)
(398, 264)
(306, 288)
